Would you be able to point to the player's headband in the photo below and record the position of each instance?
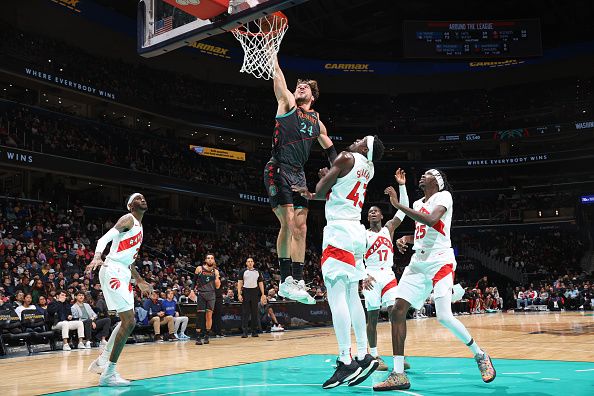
(370, 140)
(132, 197)
(438, 177)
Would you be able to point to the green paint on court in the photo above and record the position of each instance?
(429, 376)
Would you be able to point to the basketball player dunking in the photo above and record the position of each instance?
(297, 126)
(207, 280)
(115, 275)
(431, 267)
(344, 187)
(379, 259)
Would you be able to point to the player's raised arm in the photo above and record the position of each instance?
(400, 177)
(341, 166)
(428, 219)
(125, 223)
(326, 143)
(284, 97)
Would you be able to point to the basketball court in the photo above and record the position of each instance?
(540, 353)
(534, 354)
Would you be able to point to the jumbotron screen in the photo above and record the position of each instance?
(472, 39)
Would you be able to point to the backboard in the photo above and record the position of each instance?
(165, 25)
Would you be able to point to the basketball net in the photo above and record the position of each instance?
(260, 40)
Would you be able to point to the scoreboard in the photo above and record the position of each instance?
(472, 39)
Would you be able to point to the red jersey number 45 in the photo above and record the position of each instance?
(355, 194)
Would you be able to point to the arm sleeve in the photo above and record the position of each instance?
(105, 239)
(403, 200)
(331, 154)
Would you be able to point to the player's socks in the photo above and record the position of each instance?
(345, 356)
(104, 357)
(476, 350)
(373, 352)
(297, 270)
(285, 265)
(398, 364)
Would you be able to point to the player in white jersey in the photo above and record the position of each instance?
(344, 186)
(431, 268)
(379, 259)
(115, 275)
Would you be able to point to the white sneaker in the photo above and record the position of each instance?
(88, 344)
(66, 347)
(102, 344)
(81, 345)
(294, 290)
(113, 379)
(276, 328)
(96, 366)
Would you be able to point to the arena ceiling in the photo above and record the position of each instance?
(372, 29)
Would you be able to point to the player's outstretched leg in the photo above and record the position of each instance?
(367, 362)
(110, 376)
(443, 309)
(346, 367)
(397, 379)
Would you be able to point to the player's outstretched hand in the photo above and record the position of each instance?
(323, 172)
(391, 192)
(95, 263)
(263, 300)
(303, 191)
(401, 245)
(368, 282)
(400, 177)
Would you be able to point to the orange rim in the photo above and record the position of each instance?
(283, 23)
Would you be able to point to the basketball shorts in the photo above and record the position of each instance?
(116, 287)
(428, 270)
(343, 248)
(278, 179)
(205, 301)
(383, 293)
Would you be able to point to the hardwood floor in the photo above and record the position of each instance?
(540, 336)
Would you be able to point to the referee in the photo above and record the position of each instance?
(250, 286)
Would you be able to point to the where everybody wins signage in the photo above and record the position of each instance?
(65, 82)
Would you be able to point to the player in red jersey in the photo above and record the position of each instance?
(343, 187)
(431, 269)
(115, 275)
(379, 259)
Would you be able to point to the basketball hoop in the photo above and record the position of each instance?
(260, 40)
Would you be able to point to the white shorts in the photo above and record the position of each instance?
(428, 270)
(343, 248)
(116, 286)
(383, 293)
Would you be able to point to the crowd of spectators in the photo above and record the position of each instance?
(568, 292)
(53, 133)
(44, 250)
(487, 109)
(537, 253)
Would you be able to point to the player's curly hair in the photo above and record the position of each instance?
(378, 149)
(313, 84)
